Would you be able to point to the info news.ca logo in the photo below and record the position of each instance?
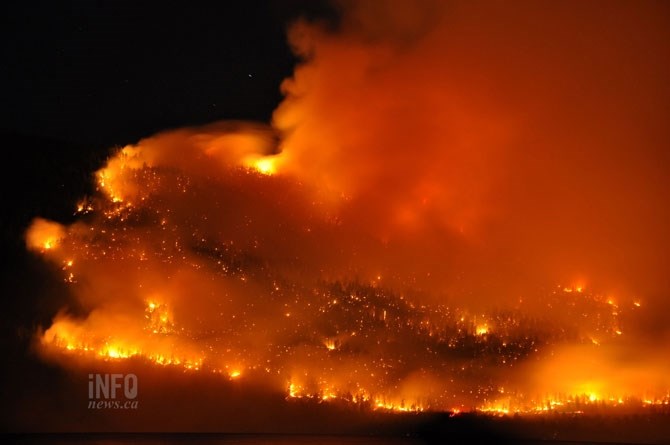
(112, 391)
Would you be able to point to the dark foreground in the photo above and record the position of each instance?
(250, 439)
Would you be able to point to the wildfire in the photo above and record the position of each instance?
(361, 259)
(577, 288)
(44, 235)
(293, 390)
(153, 332)
(116, 352)
(266, 165)
(159, 318)
(74, 338)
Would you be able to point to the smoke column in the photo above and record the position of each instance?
(452, 197)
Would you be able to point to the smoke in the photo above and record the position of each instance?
(607, 372)
(532, 133)
(431, 164)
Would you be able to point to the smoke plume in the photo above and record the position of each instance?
(452, 195)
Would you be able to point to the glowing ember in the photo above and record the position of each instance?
(44, 235)
(400, 248)
(265, 166)
(354, 312)
(343, 318)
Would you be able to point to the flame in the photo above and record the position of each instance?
(152, 330)
(356, 250)
(44, 235)
(265, 165)
(293, 390)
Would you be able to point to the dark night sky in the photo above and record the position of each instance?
(101, 72)
(80, 77)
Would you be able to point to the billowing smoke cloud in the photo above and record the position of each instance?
(532, 133)
(436, 190)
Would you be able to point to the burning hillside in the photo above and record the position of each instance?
(437, 219)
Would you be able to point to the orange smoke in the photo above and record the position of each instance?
(531, 132)
(44, 235)
(449, 192)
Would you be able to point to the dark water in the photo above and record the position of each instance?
(241, 439)
(215, 439)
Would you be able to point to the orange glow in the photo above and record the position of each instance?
(395, 238)
(265, 165)
(44, 235)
